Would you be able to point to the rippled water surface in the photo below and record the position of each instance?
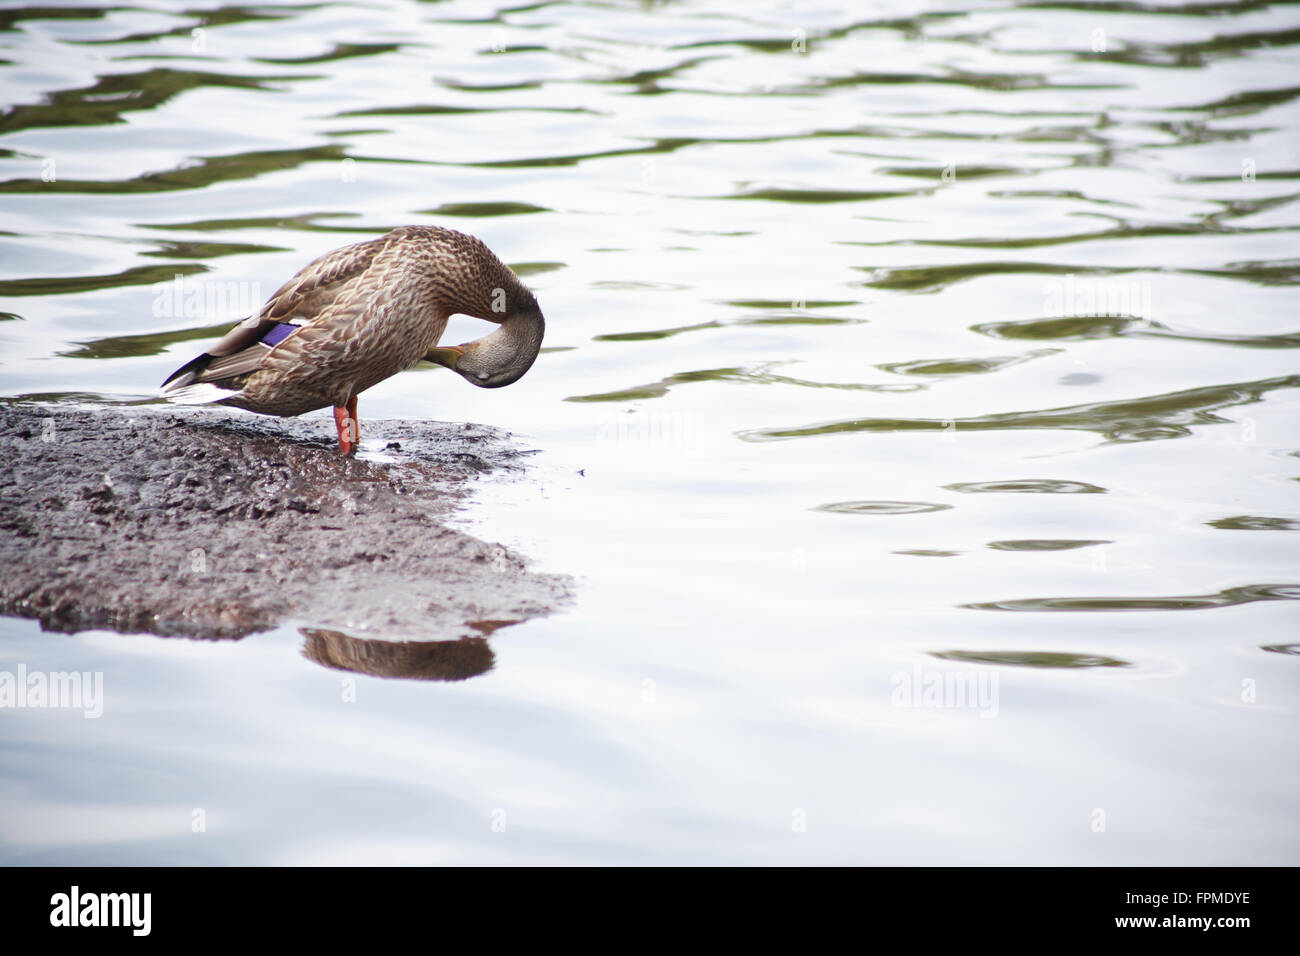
(890, 346)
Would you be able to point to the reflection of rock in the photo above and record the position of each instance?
(208, 523)
(418, 660)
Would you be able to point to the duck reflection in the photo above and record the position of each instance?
(412, 660)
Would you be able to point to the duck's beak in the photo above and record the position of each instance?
(445, 355)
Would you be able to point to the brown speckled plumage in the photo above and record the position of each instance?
(365, 312)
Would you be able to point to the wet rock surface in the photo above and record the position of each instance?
(205, 523)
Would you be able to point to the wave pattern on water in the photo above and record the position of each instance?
(828, 290)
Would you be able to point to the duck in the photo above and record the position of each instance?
(360, 314)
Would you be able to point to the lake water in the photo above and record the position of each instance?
(918, 418)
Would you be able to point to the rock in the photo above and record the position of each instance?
(212, 524)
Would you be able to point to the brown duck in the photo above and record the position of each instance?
(361, 313)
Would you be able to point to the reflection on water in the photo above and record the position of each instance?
(1030, 659)
(1145, 419)
(831, 292)
(882, 507)
(1042, 544)
(1032, 486)
(413, 660)
(1191, 602)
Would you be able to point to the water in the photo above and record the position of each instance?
(918, 416)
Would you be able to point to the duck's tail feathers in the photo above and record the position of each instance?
(187, 373)
(183, 387)
(204, 393)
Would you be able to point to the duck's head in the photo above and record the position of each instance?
(501, 357)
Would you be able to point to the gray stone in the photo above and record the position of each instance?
(213, 524)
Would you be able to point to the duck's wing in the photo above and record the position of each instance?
(310, 297)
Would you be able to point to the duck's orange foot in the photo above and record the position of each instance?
(345, 420)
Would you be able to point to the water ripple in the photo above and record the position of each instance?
(1153, 418)
(1033, 486)
(1193, 602)
(881, 507)
(1049, 659)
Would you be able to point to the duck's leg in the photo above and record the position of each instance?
(345, 420)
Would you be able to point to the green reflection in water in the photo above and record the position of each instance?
(1069, 329)
(207, 250)
(304, 222)
(754, 375)
(535, 268)
(787, 304)
(1248, 101)
(11, 18)
(114, 94)
(1143, 419)
(1032, 486)
(962, 366)
(660, 388)
(653, 334)
(817, 195)
(209, 170)
(1121, 230)
(340, 51)
(966, 172)
(1262, 271)
(997, 82)
(1053, 659)
(63, 285)
(437, 109)
(666, 145)
(149, 343)
(1256, 523)
(1193, 602)
(936, 277)
(1044, 544)
(882, 508)
(483, 209)
(650, 335)
(798, 320)
(70, 398)
(1081, 328)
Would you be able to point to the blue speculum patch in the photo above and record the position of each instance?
(278, 333)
